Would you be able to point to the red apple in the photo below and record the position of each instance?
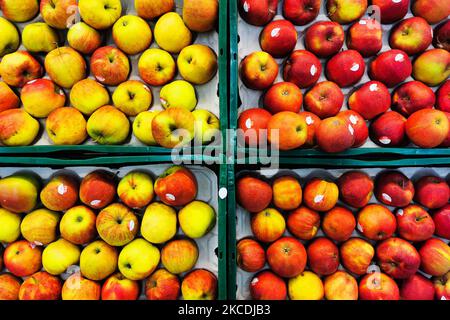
(60, 193)
(98, 189)
(9, 287)
(366, 37)
(433, 11)
(432, 192)
(323, 256)
(355, 188)
(268, 286)
(287, 257)
(324, 38)
(283, 96)
(435, 255)
(376, 222)
(250, 255)
(301, 12)
(417, 287)
(117, 287)
(253, 125)
(325, 99)
(339, 224)
(442, 36)
(389, 129)
(303, 223)
(258, 70)
(378, 286)
(335, 135)
(391, 11)
(257, 12)
(22, 258)
(442, 287)
(177, 186)
(41, 286)
(413, 96)
(287, 130)
(414, 223)
(302, 68)
(320, 194)
(427, 128)
(391, 67)
(412, 35)
(370, 100)
(441, 220)
(393, 188)
(110, 66)
(346, 68)
(253, 194)
(443, 97)
(162, 285)
(313, 123)
(356, 255)
(359, 125)
(278, 38)
(8, 98)
(199, 284)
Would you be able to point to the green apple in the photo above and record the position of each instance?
(132, 34)
(180, 94)
(159, 223)
(98, 260)
(9, 37)
(207, 126)
(60, 255)
(39, 37)
(197, 219)
(88, 95)
(10, 222)
(138, 259)
(132, 97)
(142, 127)
(100, 14)
(197, 63)
(173, 127)
(108, 125)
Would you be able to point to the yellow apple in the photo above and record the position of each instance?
(19, 11)
(17, 128)
(65, 66)
(117, 225)
(10, 222)
(142, 127)
(151, 9)
(159, 223)
(180, 94)
(132, 34)
(88, 95)
(60, 255)
(197, 219)
(207, 126)
(173, 127)
(39, 37)
(59, 13)
(108, 125)
(197, 63)
(66, 126)
(100, 14)
(200, 15)
(83, 38)
(41, 96)
(171, 34)
(78, 225)
(19, 192)
(132, 97)
(306, 286)
(138, 259)
(98, 260)
(9, 37)
(40, 226)
(136, 189)
(156, 67)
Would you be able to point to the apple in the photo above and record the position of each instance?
(84, 38)
(355, 188)
(179, 256)
(88, 95)
(391, 67)
(356, 255)
(391, 11)
(199, 284)
(39, 37)
(441, 36)
(287, 193)
(370, 100)
(78, 225)
(98, 260)
(10, 231)
(58, 13)
(303, 223)
(346, 11)
(76, 287)
(10, 39)
(66, 126)
(443, 97)
(110, 66)
(135, 189)
(40, 97)
(413, 96)
(117, 225)
(340, 286)
(431, 67)
(432, 192)
(200, 16)
(159, 223)
(302, 68)
(323, 256)
(324, 38)
(100, 14)
(41, 286)
(19, 192)
(335, 134)
(252, 124)
(325, 99)
(65, 66)
(287, 257)
(435, 256)
(313, 123)
(132, 34)
(378, 286)
(287, 130)
(177, 186)
(301, 12)
(9, 287)
(366, 37)
(207, 126)
(258, 70)
(339, 224)
(414, 223)
(19, 11)
(108, 126)
(433, 11)
(427, 128)
(8, 98)
(441, 220)
(60, 193)
(393, 188)
(306, 286)
(156, 67)
(417, 287)
(117, 287)
(412, 35)
(178, 93)
(171, 33)
(151, 9)
(253, 194)
(283, 96)
(22, 258)
(376, 222)
(359, 125)
(257, 12)
(58, 256)
(346, 68)
(18, 68)
(268, 286)
(173, 128)
(40, 227)
(162, 285)
(442, 287)
(268, 225)
(197, 219)
(250, 255)
(17, 128)
(142, 127)
(320, 195)
(278, 38)
(98, 189)
(389, 129)
(132, 97)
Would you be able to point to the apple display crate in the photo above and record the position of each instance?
(211, 96)
(212, 247)
(304, 170)
(244, 39)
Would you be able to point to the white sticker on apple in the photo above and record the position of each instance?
(95, 202)
(399, 58)
(313, 70)
(255, 281)
(170, 197)
(131, 225)
(362, 21)
(248, 123)
(275, 33)
(400, 212)
(353, 119)
(360, 228)
(386, 197)
(350, 128)
(318, 198)
(373, 87)
(385, 140)
(309, 120)
(62, 189)
(246, 6)
(397, 1)
(355, 67)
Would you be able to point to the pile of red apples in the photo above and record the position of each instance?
(357, 248)
(391, 109)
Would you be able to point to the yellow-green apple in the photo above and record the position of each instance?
(66, 126)
(433, 11)
(19, 192)
(197, 219)
(41, 96)
(9, 287)
(325, 99)
(339, 223)
(60, 255)
(84, 38)
(340, 286)
(370, 100)
(60, 193)
(356, 255)
(58, 13)
(376, 222)
(303, 223)
(414, 223)
(391, 67)
(302, 68)
(173, 127)
(40, 227)
(435, 255)
(393, 188)
(132, 34)
(443, 97)
(283, 96)
(287, 193)
(250, 255)
(22, 258)
(366, 37)
(301, 12)
(252, 124)
(257, 12)
(132, 97)
(98, 260)
(287, 130)
(8, 98)
(78, 225)
(412, 35)
(138, 259)
(253, 194)
(346, 68)
(180, 94)
(40, 37)
(179, 256)
(442, 286)
(441, 220)
(199, 284)
(100, 14)
(98, 189)
(151, 9)
(287, 257)
(171, 34)
(431, 67)
(391, 11)
(88, 95)
(306, 286)
(268, 286)
(378, 286)
(197, 64)
(412, 96)
(65, 66)
(76, 287)
(177, 186)
(268, 225)
(117, 287)
(432, 192)
(278, 38)
(346, 11)
(110, 66)
(335, 134)
(10, 223)
(258, 70)
(207, 126)
(156, 67)
(323, 256)
(162, 285)
(320, 195)
(355, 188)
(427, 128)
(41, 286)
(108, 125)
(359, 125)
(324, 38)
(200, 16)
(389, 129)
(398, 258)
(142, 127)
(9, 39)
(19, 67)
(136, 189)
(441, 36)
(19, 11)
(117, 225)
(417, 287)
(159, 223)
